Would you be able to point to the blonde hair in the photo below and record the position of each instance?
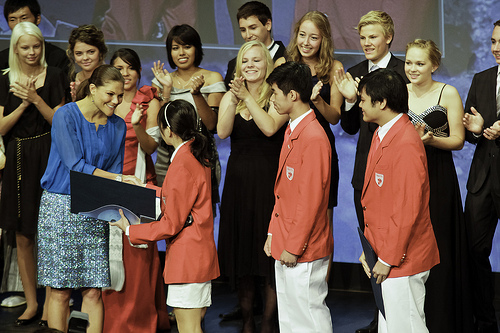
(432, 50)
(22, 29)
(325, 53)
(381, 18)
(264, 89)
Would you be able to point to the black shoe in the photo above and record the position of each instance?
(371, 328)
(43, 323)
(25, 322)
(231, 316)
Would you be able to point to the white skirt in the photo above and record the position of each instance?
(190, 295)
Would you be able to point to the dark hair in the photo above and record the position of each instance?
(100, 76)
(293, 76)
(183, 121)
(88, 34)
(184, 34)
(130, 57)
(386, 84)
(497, 23)
(12, 6)
(254, 8)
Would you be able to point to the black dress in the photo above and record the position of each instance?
(334, 183)
(27, 147)
(447, 302)
(248, 201)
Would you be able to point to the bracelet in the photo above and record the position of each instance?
(162, 98)
(119, 177)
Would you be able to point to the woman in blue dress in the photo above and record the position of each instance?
(72, 249)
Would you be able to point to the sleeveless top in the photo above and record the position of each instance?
(435, 118)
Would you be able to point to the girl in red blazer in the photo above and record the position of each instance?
(187, 221)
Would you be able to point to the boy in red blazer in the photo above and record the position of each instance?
(300, 238)
(395, 201)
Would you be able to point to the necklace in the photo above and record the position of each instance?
(34, 76)
(186, 82)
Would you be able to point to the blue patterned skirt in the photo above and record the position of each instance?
(73, 250)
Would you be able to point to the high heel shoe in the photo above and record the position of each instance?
(25, 322)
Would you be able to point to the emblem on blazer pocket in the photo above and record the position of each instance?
(379, 179)
(289, 172)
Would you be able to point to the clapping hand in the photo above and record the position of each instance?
(492, 132)
(26, 92)
(196, 83)
(346, 85)
(316, 90)
(137, 115)
(73, 86)
(473, 122)
(162, 75)
(426, 137)
(238, 88)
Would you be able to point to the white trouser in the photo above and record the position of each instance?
(404, 299)
(301, 292)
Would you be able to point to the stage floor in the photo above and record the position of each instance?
(350, 310)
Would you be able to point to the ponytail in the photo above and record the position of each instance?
(182, 119)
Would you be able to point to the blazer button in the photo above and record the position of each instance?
(277, 196)
(276, 214)
(364, 207)
(366, 225)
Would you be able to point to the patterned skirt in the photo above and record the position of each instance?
(73, 250)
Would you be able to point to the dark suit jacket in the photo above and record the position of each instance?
(352, 122)
(482, 96)
(231, 65)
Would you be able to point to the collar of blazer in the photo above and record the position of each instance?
(379, 152)
(287, 148)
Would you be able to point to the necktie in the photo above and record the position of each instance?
(498, 103)
(374, 68)
(288, 131)
(373, 147)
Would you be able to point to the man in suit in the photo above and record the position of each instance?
(16, 11)
(395, 201)
(376, 32)
(482, 205)
(255, 22)
(299, 235)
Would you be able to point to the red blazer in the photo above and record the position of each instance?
(395, 201)
(299, 222)
(191, 255)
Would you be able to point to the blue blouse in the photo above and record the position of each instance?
(76, 145)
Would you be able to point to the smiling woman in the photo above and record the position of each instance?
(312, 44)
(86, 49)
(72, 249)
(202, 88)
(248, 199)
(30, 93)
